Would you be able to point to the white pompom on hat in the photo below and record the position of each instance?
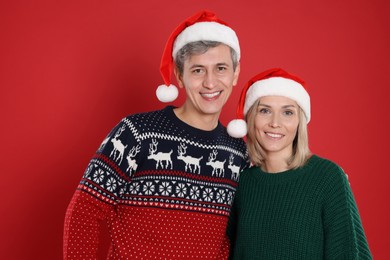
(202, 26)
(272, 82)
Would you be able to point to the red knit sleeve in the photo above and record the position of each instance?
(83, 218)
(96, 197)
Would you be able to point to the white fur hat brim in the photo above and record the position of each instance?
(207, 31)
(278, 86)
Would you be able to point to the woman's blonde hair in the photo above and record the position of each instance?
(301, 151)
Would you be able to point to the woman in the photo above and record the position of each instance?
(291, 204)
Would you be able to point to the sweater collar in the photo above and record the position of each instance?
(213, 134)
(285, 176)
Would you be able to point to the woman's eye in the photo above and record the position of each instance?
(288, 113)
(263, 111)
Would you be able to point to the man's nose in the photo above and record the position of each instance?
(210, 80)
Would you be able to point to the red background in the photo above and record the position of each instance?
(70, 70)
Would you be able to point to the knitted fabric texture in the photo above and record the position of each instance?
(308, 213)
(165, 190)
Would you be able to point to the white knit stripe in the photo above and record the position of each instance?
(147, 135)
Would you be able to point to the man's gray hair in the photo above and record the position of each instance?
(199, 47)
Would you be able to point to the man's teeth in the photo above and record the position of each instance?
(211, 95)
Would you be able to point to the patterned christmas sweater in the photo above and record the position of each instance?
(164, 188)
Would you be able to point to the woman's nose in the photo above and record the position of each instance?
(275, 121)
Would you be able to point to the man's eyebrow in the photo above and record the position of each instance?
(196, 66)
(222, 64)
(202, 66)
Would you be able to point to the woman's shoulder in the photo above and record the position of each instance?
(251, 168)
(248, 172)
(323, 163)
(326, 168)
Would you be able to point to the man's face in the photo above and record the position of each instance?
(208, 79)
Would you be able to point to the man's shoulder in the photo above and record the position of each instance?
(235, 142)
(140, 119)
(144, 114)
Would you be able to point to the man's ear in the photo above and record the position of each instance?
(236, 74)
(178, 77)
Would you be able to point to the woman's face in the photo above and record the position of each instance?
(276, 124)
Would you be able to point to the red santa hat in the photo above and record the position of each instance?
(202, 26)
(273, 82)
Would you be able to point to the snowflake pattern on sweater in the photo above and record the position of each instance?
(153, 171)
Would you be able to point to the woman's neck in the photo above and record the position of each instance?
(275, 164)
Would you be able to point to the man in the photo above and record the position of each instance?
(164, 181)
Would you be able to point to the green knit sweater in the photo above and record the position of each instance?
(307, 213)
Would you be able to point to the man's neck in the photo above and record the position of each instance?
(197, 120)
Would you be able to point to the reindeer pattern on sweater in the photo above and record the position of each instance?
(154, 167)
